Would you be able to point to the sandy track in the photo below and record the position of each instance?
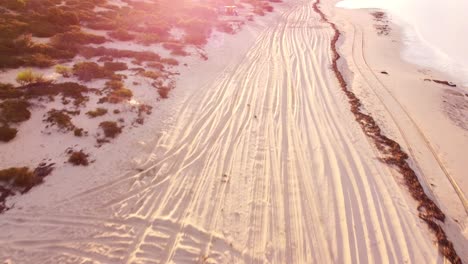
(263, 165)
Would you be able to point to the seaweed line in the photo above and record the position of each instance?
(393, 155)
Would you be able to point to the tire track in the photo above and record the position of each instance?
(421, 134)
(264, 164)
(394, 155)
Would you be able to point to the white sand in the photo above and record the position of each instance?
(428, 119)
(254, 158)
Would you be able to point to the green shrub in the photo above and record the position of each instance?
(97, 112)
(63, 70)
(7, 133)
(78, 158)
(14, 111)
(21, 177)
(110, 129)
(115, 66)
(86, 71)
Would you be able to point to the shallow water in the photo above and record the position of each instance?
(435, 31)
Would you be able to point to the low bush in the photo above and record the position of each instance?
(38, 60)
(156, 65)
(176, 48)
(8, 91)
(86, 71)
(61, 119)
(21, 177)
(149, 38)
(144, 109)
(17, 5)
(74, 38)
(40, 27)
(163, 92)
(89, 52)
(115, 66)
(152, 74)
(114, 84)
(110, 129)
(7, 133)
(103, 24)
(170, 61)
(197, 39)
(14, 111)
(97, 112)
(121, 35)
(225, 27)
(78, 158)
(78, 132)
(116, 92)
(67, 90)
(259, 11)
(268, 7)
(119, 95)
(59, 16)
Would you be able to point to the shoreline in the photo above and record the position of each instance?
(416, 49)
(440, 186)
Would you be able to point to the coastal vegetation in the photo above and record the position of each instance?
(78, 158)
(110, 128)
(98, 112)
(67, 55)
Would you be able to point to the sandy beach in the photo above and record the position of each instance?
(256, 157)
